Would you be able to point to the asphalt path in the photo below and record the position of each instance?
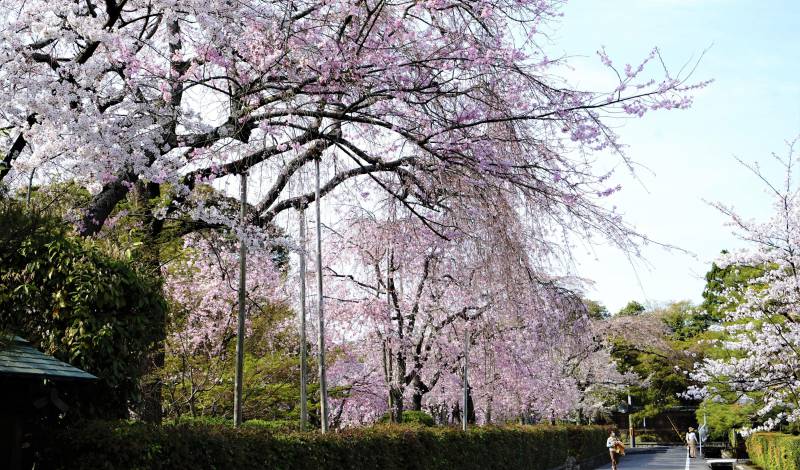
(658, 458)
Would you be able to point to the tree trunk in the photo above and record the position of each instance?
(470, 407)
(397, 387)
(150, 409)
(416, 401)
(397, 404)
(455, 415)
(420, 389)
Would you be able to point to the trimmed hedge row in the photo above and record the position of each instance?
(411, 417)
(774, 451)
(122, 445)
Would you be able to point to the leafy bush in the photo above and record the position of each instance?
(201, 420)
(648, 437)
(723, 417)
(281, 425)
(411, 417)
(774, 451)
(122, 445)
(75, 301)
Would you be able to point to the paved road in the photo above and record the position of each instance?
(658, 458)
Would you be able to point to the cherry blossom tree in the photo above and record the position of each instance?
(402, 299)
(202, 284)
(761, 333)
(147, 93)
(425, 100)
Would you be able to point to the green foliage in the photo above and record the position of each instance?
(418, 417)
(278, 425)
(684, 321)
(647, 437)
(733, 438)
(724, 417)
(596, 310)
(201, 420)
(412, 417)
(73, 300)
(63, 200)
(729, 409)
(720, 281)
(201, 383)
(103, 445)
(633, 308)
(660, 361)
(774, 451)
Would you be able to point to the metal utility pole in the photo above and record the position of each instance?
(30, 188)
(702, 433)
(323, 385)
(303, 357)
(631, 434)
(237, 386)
(393, 416)
(466, 379)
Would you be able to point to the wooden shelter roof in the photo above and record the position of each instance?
(19, 359)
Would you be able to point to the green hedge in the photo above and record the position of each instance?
(121, 445)
(412, 417)
(774, 451)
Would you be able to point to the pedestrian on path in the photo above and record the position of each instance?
(615, 448)
(691, 443)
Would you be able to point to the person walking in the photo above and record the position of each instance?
(691, 443)
(615, 448)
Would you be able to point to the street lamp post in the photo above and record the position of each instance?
(466, 379)
(237, 386)
(303, 357)
(323, 386)
(631, 433)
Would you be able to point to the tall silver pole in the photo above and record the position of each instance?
(323, 386)
(30, 188)
(303, 358)
(466, 379)
(237, 396)
(393, 417)
(631, 433)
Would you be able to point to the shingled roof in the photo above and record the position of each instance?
(19, 359)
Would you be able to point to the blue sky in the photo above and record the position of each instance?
(751, 110)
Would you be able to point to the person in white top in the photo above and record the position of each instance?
(691, 443)
(612, 444)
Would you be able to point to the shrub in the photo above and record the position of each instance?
(774, 451)
(201, 420)
(282, 425)
(411, 417)
(72, 299)
(723, 417)
(418, 417)
(122, 445)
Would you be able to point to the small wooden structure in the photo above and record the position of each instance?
(28, 380)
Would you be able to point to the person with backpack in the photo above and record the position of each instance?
(615, 448)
